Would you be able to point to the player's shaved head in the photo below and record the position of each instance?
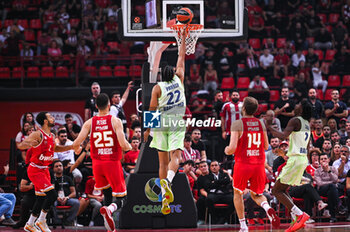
(102, 101)
(250, 105)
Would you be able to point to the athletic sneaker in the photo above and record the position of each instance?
(274, 219)
(165, 206)
(42, 225)
(30, 228)
(321, 205)
(108, 218)
(168, 193)
(300, 222)
(244, 230)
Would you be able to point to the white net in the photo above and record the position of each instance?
(194, 30)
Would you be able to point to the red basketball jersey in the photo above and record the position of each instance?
(103, 139)
(250, 147)
(42, 155)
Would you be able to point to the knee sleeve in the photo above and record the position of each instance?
(38, 205)
(51, 197)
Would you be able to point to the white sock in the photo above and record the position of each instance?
(170, 175)
(243, 223)
(297, 211)
(113, 207)
(42, 216)
(265, 205)
(163, 190)
(31, 220)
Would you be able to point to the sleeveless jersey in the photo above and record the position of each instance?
(172, 100)
(103, 140)
(250, 147)
(42, 154)
(298, 140)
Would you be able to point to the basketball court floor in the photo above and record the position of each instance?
(319, 227)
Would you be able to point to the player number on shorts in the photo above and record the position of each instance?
(106, 136)
(254, 138)
(171, 98)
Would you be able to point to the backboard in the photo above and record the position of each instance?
(149, 20)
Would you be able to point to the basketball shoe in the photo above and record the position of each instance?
(167, 197)
(274, 219)
(42, 225)
(108, 218)
(30, 228)
(298, 223)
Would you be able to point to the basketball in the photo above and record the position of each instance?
(184, 15)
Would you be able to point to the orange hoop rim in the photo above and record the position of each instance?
(190, 27)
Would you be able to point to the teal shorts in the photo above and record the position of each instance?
(292, 173)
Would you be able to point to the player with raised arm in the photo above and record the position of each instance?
(248, 142)
(107, 141)
(298, 130)
(168, 98)
(42, 144)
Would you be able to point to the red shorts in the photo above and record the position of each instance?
(41, 179)
(109, 174)
(254, 173)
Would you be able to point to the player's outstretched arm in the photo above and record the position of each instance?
(85, 130)
(236, 130)
(180, 66)
(293, 125)
(118, 127)
(31, 141)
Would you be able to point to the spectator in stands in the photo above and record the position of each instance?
(74, 9)
(317, 77)
(137, 132)
(306, 71)
(296, 59)
(198, 144)
(298, 36)
(71, 43)
(341, 61)
(314, 160)
(90, 107)
(280, 23)
(67, 155)
(271, 155)
(49, 17)
(27, 54)
(317, 132)
(311, 57)
(188, 152)
(86, 35)
(188, 170)
(225, 63)
(340, 34)
(210, 78)
(347, 131)
(300, 87)
(332, 124)
(12, 43)
(326, 178)
(113, 11)
(284, 108)
(130, 158)
(230, 112)
(266, 64)
(335, 108)
(7, 201)
(26, 130)
(259, 89)
(335, 153)
(343, 166)
(323, 39)
(281, 64)
(65, 189)
(95, 198)
(208, 59)
(55, 54)
(83, 52)
(111, 29)
(342, 129)
(252, 62)
(326, 135)
(256, 25)
(26, 188)
(202, 193)
(276, 123)
(72, 128)
(327, 147)
(317, 106)
(313, 23)
(57, 38)
(218, 103)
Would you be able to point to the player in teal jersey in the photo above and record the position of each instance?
(168, 97)
(298, 131)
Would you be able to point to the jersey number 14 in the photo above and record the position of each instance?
(254, 138)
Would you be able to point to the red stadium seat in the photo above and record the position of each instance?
(17, 72)
(333, 18)
(243, 82)
(35, 24)
(342, 92)
(91, 70)
(23, 23)
(320, 54)
(74, 22)
(264, 41)
(228, 83)
(323, 17)
(262, 108)
(120, 71)
(8, 22)
(105, 71)
(329, 28)
(242, 95)
(254, 43)
(62, 71)
(113, 45)
(281, 42)
(33, 72)
(97, 34)
(47, 72)
(274, 95)
(327, 95)
(346, 81)
(333, 81)
(330, 54)
(311, 40)
(4, 72)
(135, 71)
(319, 94)
(29, 35)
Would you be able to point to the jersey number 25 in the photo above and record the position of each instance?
(103, 139)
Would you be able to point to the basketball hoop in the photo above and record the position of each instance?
(193, 32)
